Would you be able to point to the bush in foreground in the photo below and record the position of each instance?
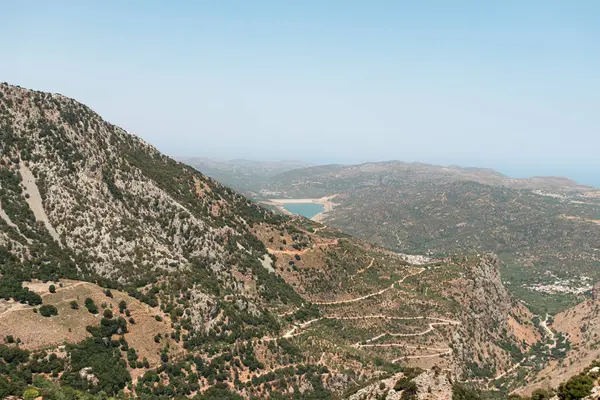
(48, 310)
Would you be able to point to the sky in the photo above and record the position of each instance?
(510, 85)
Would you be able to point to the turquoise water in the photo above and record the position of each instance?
(307, 210)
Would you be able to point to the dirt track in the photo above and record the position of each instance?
(293, 252)
(419, 270)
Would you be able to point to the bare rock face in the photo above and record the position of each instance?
(337, 382)
(487, 288)
(204, 310)
(489, 315)
(86, 373)
(433, 385)
(305, 386)
(383, 389)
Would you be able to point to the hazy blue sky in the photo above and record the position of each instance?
(513, 85)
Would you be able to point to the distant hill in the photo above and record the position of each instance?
(398, 171)
(244, 175)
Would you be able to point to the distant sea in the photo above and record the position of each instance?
(595, 184)
(582, 177)
(586, 179)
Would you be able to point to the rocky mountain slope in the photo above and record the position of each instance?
(164, 283)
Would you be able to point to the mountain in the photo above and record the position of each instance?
(126, 273)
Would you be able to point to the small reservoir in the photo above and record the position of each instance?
(307, 210)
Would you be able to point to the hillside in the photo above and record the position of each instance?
(148, 279)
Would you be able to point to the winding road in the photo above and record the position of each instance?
(299, 329)
(294, 252)
(365, 268)
(431, 327)
(367, 296)
(544, 324)
(435, 355)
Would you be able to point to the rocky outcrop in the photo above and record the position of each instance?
(490, 318)
(431, 385)
(383, 389)
(204, 310)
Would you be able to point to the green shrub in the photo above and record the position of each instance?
(218, 392)
(541, 394)
(30, 394)
(91, 306)
(461, 392)
(408, 388)
(48, 310)
(105, 361)
(12, 288)
(576, 388)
